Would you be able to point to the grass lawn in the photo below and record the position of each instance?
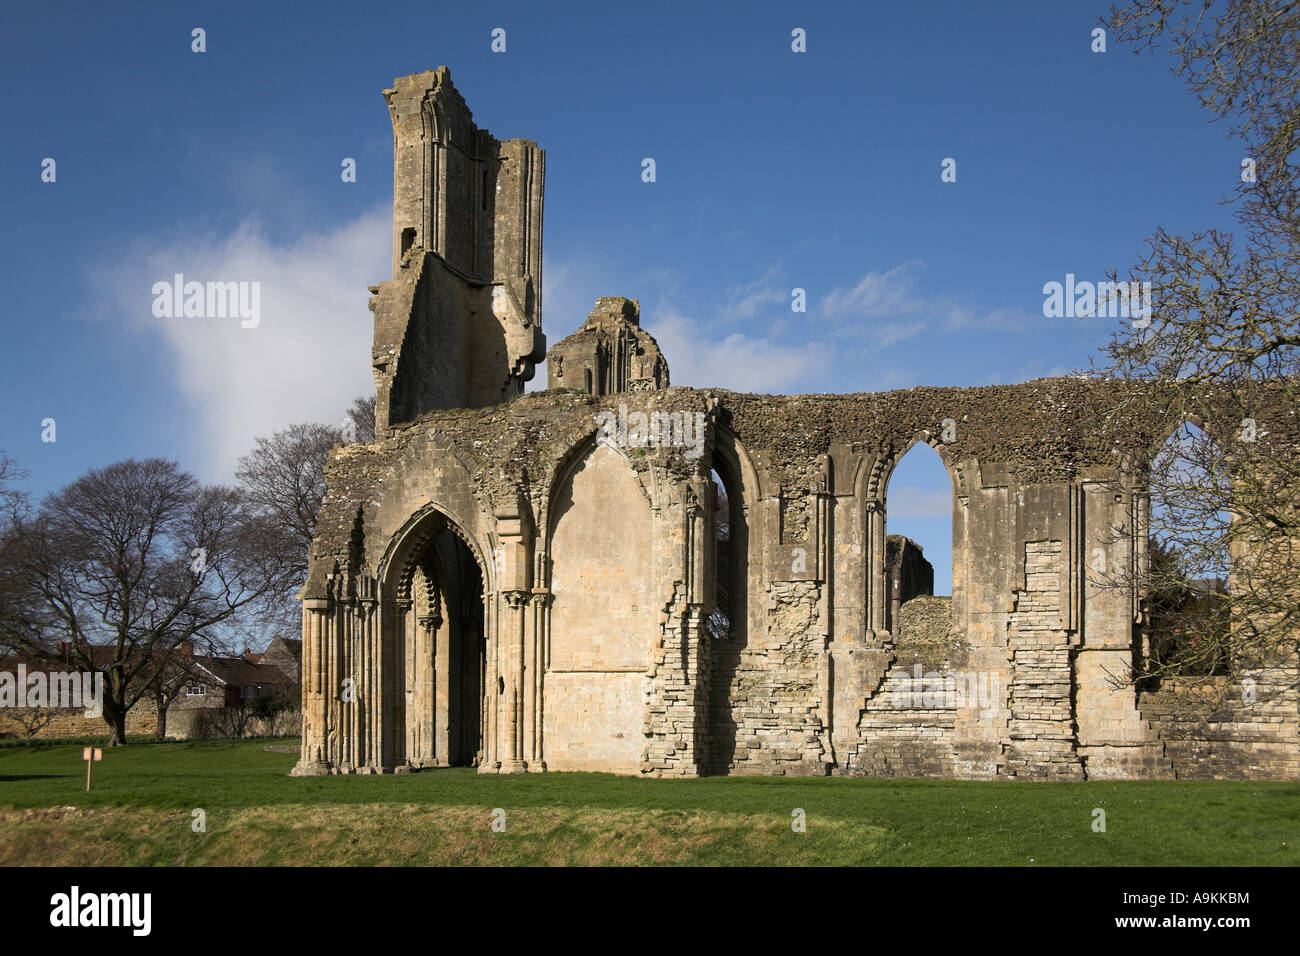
(141, 810)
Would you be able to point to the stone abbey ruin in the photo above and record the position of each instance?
(617, 574)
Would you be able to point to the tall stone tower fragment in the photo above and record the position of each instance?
(459, 325)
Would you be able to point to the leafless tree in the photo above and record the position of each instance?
(12, 500)
(362, 417)
(121, 568)
(35, 719)
(282, 481)
(1222, 348)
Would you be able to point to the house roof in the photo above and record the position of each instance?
(244, 671)
(238, 672)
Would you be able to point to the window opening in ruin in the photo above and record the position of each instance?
(1186, 585)
(918, 556)
(719, 623)
(408, 239)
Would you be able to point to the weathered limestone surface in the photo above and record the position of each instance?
(460, 323)
(610, 353)
(553, 581)
(1041, 732)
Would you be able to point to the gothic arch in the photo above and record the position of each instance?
(436, 620)
(877, 477)
(872, 490)
(731, 462)
(562, 471)
(407, 543)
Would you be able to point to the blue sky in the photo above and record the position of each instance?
(775, 170)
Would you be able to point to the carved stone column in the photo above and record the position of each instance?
(877, 586)
(345, 692)
(314, 759)
(512, 641)
(397, 690)
(367, 712)
(426, 668)
(330, 641)
(488, 761)
(539, 657)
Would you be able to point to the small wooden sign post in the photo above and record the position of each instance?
(89, 755)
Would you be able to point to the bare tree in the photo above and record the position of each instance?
(13, 501)
(1221, 347)
(167, 679)
(35, 719)
(282, 481)
(362, 417)
(13, 596)
(122, 567)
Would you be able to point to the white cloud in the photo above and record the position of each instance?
(884, 309)
(305, 361)
(746, 301)
(739, 362)
(876, 295)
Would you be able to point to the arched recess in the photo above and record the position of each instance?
(730, 621)
(1185, 576)
(433, 651)
(894, 575)
(604, 614)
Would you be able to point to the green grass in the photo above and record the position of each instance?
(96, 740)
(140, 812)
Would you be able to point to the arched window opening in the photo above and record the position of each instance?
(1186, 591)
(918, 557)
(727, 625)
(719, 623)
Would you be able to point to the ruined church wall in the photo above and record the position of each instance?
(1243, 731)
(812, 682)
(419, 333)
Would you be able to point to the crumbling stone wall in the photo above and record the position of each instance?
(1238, 731)
(1041, 738)
(907, 575)
(926, 635)
(776, 698)
(812, 687)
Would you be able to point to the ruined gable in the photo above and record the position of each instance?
(610, 353)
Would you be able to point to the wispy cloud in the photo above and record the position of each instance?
(741, 362)
(306, 359)
(884, 308)
(747, 301)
